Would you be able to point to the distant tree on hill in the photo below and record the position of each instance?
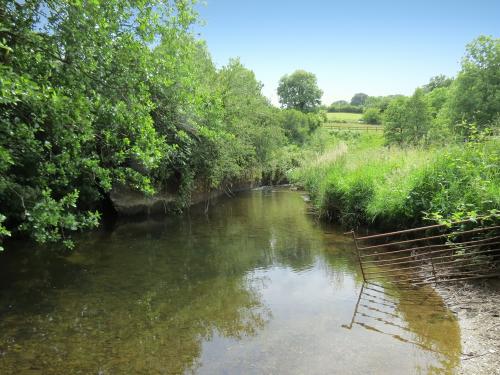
(340, 102)
(300, 91)
(359, 99)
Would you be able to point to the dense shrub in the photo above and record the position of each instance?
(345, 107)
(99, 94)
(299, 125)
(372, 116)
(395, 187)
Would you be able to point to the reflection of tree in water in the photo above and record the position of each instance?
(118, 321)
(143, 298)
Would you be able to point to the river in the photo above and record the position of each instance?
(255, 286)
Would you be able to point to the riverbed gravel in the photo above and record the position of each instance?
(477, 307)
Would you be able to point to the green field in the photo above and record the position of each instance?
(348, 121)
(343, 117)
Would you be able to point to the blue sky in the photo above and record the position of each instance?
(377, 47)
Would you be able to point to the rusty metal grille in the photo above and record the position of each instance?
(432, 254)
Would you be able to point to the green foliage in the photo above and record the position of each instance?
(366, 184)
(443, 161)
(372, 116)
(298, 125)
(407, 120)
(50, 219)
(436, 82)
(4, 232)
(380, 102)
(299, 91)
(343, 106)
(447, 109)
(359, 99)
(76, 109)
(95, 95)
(475, 95)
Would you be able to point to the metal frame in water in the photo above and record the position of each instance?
(462, 250)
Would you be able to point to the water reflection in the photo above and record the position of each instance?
(413, 316)
(257, 286)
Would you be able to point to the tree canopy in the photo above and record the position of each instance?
(300, 91)
(475, 95)
(102, 94)
(438, 81)
(359, 99)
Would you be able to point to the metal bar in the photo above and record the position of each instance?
(393, 274)
(461, 279)
(406, 297)
(376, 302)
(451, 267)
(414, 230)
(431, 237)
(367, 272)
(468, 259)
(475, 272)
(365, 315)
(380, 298)
(393, 270)
(400, 279)
(459, 247)
(380, 311)
(356, 308)
(390, 286)
(359, 256)
(370, 328)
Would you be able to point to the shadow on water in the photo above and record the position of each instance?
(256, 286)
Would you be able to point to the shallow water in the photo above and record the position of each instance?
(257, 286)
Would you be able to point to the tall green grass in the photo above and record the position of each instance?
(358, 181)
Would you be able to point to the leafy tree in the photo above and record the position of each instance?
(95, 95)
(380, 102)
(344, 106)
(298, 125)
(395, 120)
(407, 120)
(359, 99)
(300, 91)
(437, 99)
(372, 116)
(475, 96)
(340, 102)
(439, 81)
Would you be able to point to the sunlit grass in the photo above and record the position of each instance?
(358, 180)
(343, 117)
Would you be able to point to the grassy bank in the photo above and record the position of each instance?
(356, 180)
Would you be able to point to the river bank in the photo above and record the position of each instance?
(355, 180)
(478, 312)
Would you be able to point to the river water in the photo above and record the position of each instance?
(256, 286)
